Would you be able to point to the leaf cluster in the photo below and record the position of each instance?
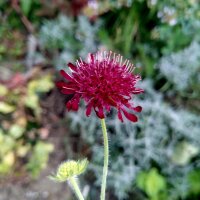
(20, 114)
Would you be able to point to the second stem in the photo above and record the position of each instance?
(76, 188)
(106, 155)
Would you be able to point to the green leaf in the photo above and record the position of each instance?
(3, 90)
(4, 168)
(140, 181)
(154, 183)
(16, 131)
(41, 85)
(9, 158)
(7, 143)
(22, 150)
(1, 136)
(39, 158)
(194, 182)
(26, 6)
(7, 162)
(6, 108)
(32, 101)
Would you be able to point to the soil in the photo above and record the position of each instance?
(41, 189)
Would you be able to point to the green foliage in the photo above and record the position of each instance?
(20, 113)
(182, 69)
(36, 87)
(127, 31)
(26, 6)
(6, 108)
(60, 36)
(194, 183)
(176, 41)
(153, 184)
(39, 158)
(16, 131)
(7, 157)
(71, 38)
(14, 42)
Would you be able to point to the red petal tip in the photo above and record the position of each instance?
(130, 116)
(138, 109)
(66, 75)
(72, 66)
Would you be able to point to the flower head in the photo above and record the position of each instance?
(103, 81)
(70, 169)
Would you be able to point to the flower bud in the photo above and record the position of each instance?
(70, 169)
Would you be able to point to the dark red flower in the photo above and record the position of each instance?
(104, 81)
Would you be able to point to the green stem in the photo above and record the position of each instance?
(76, 188)
(106, 154)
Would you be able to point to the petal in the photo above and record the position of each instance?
(99, 112)
(107, 107)
(72, 67)
(89, 109)
(61, 84)
(120, 115)
(68, 91)
(66, 75)
(137, 109)
(69, 105)
(91, 58)
(138, 91)
(111, 101)
(130, 116)
(75, 104)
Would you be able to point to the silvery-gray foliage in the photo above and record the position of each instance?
(68, 39)
(53, 33)
(164, 135)
(182, 68)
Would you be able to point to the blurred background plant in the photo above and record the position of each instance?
(157, 158)
(20, 130)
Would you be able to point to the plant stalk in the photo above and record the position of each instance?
(106, 155)
(76, 188)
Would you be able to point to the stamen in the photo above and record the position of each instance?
(121, 58)
(124, 62)
(101, 56)
(128, 67)
(77, 63)
(96, 56)
(127, 64)
(105, 55)
(114, 58)
(117, 58)
(81, 60)
(110, 53)
(132, 68)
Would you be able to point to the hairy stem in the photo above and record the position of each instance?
(106, 154)
(76, 188)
